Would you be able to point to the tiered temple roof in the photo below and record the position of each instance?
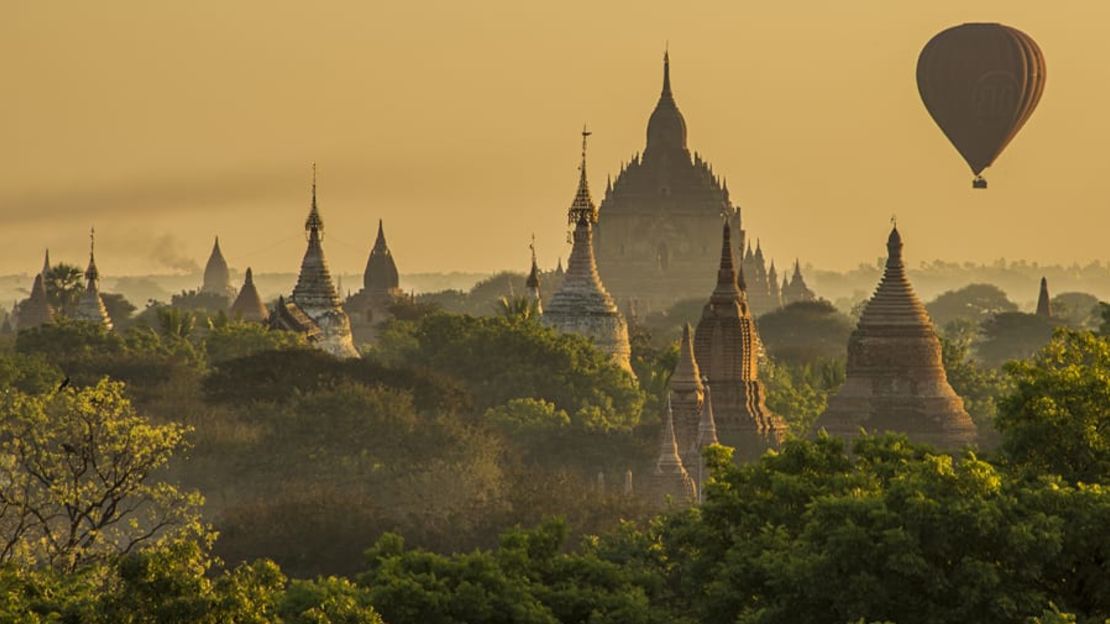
(582, 305)
(315, 293)
(287, 316)
(248, 305)
(726, 345)
(90, 307)
(895, 377)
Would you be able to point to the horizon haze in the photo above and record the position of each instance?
(458, 124)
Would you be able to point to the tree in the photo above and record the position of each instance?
(64, 284)
(196, 301)
(78, 480)
(1012, 336)
(526, 580)
(500, 359)
(1058, 418)
(1105, 328)
(890, 531)
(517, 307)
(980, 388)
(237, 339)
(1077, 309)
(974, 302)
(119, 308)
(805, 332)
(800, 393)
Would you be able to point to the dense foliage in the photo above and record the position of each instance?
(457, 429)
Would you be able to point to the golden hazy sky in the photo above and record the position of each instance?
(165, 123)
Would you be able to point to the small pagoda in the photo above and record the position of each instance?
(895, 377)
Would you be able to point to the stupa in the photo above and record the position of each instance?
(582, 305)
(895, 377)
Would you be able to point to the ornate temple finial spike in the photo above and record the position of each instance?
(313, 185)
(667, 70)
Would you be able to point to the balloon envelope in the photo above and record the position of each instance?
(980, 83)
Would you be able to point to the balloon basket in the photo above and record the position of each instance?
(979, 183)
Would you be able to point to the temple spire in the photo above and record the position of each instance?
(90, 307)
(314, 225)
(46, 263)
(666, 73)
(707, 436)
(533, 281)
(583, 205)
(1044, 302)
(726, 273)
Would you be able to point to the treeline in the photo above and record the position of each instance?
(404, 473)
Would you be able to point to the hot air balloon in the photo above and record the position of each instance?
(980, 83)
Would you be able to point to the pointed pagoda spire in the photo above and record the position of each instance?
(686, 396)
(559, 267)
(707, 436)
(315, 293)
(686, 376)
(217, 276)
(90, 307)
(1044, 302)
(533, 281)
(727, 286)
(248, 305)
(46, 262)
(672, 484)
(36, 309)
(666, 74)
(381, 274)
(313, 224)
(608, 185)
(666, 131)
(583, 205)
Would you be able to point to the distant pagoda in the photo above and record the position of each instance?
(895, 377)
(582, 305)
(727, 347)
(380, 290)
(670, 483)
(217, 277)
(659, 219)
(315, 293)
(36, 309)
(707, 436)
(248, 304)
(90, 307)
(532, 283)
(686, 397)
(796, 290)
(1044, 302)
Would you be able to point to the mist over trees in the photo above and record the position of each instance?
(472, 469)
